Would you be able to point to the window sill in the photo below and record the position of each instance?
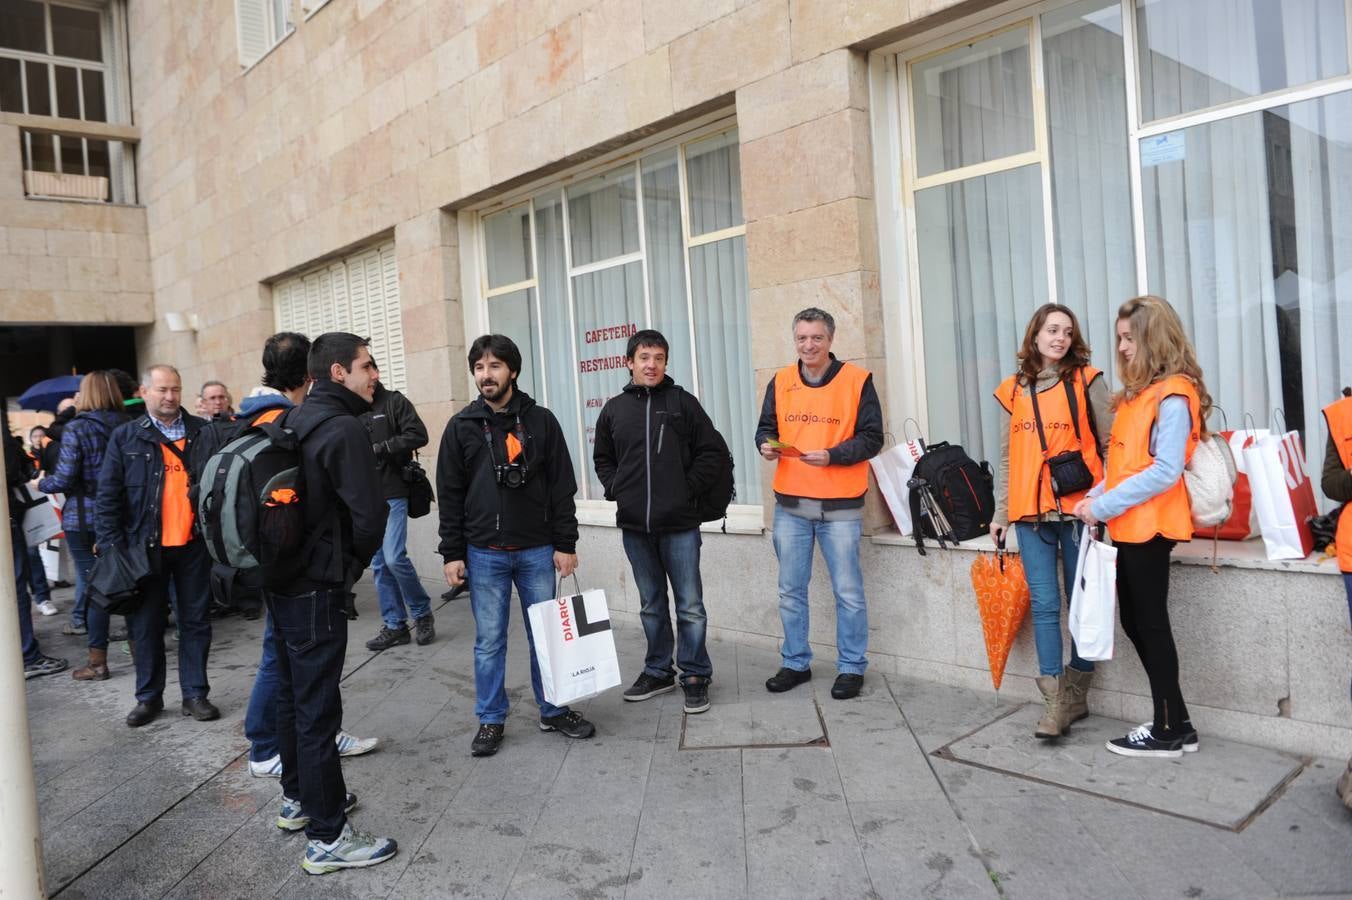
(742, 519)
(1232, 554)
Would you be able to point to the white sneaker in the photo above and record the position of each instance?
(352, 746)
(268, 768)
(351, 849)
(46, 607)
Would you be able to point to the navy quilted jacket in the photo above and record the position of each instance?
(77, 468)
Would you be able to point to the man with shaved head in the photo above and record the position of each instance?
(143, 500)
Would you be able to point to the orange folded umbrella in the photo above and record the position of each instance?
(1002, 598)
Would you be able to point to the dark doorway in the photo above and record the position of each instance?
(29, 354)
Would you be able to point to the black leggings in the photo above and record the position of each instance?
(1143, 603)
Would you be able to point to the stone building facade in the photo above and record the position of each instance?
(290, 153)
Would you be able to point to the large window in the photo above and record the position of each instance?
(60, 59)
(1196, 149)
(359, 294)
(571, 272)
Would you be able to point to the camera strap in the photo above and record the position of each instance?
(514, 453)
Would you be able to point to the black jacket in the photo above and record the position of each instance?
(656, 451)
(475, 509)
(342, 487)
(18, 472)
(131, 482)
(864, 445)
(396, 431)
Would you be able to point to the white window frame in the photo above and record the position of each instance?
(895, 158)
(267, 9)
(743, 518)
(116, 89)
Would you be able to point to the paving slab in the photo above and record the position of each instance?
(1226, 786)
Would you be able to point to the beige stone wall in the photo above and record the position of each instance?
(374, 116)
(73, 263)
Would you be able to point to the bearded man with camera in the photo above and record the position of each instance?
(505, 486)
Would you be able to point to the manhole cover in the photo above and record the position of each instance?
(788, 721)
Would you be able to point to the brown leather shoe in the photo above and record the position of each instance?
(97, 670)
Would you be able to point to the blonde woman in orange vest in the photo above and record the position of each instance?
(1337, 485)
(1072, 414)
(1161, 416)
(820, 422)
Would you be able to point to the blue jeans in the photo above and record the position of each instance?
(81, 546)
(1347, 584)
(185, 569)
(655, 559)
(37, 576)
(309, 641)
(31, 652)
(396, 580)
(839, 540)
(260, 719)
(491, 576)
(1037, 546)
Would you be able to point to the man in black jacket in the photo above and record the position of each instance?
(396, 431)
(143, 500)
(656, 452)
(344, 509)
(505, 486)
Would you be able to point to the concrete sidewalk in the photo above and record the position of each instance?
(911, 790)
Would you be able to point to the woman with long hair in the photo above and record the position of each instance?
(1057, 404)
(98, 412)
(1161, 417)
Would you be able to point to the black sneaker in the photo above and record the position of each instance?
(423, 630)
(388, 637)
(847, 686)
(569, 724)
(1141, 742)
(696, 689)
(1190, 743)
(487, 741)
(646, 686)
(787, 679)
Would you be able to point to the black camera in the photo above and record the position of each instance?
(511, 475)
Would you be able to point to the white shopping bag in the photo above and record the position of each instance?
(1283, 495)
(1093, 601)
(892, 468)
(41, 519)
(574, 646)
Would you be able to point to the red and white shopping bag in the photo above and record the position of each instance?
(1243, 522)
(892, 469)
(574, 645)
(1283, 495)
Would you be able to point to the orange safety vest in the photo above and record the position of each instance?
(819, 418)
(1168, 514)
(1338, 415)
(176, 513)
(1027, 461)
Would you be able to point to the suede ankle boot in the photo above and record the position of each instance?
(97, 670)
(1049, 726)
(1074, 697)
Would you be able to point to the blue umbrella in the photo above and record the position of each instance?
(48, 393)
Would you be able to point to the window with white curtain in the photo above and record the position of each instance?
(1206, 157)
(571, 272)
(358, 294)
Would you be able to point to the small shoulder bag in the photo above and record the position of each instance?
(1068, 472)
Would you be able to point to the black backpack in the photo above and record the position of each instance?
(952, 496)
(713, 504)
(251, 503)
